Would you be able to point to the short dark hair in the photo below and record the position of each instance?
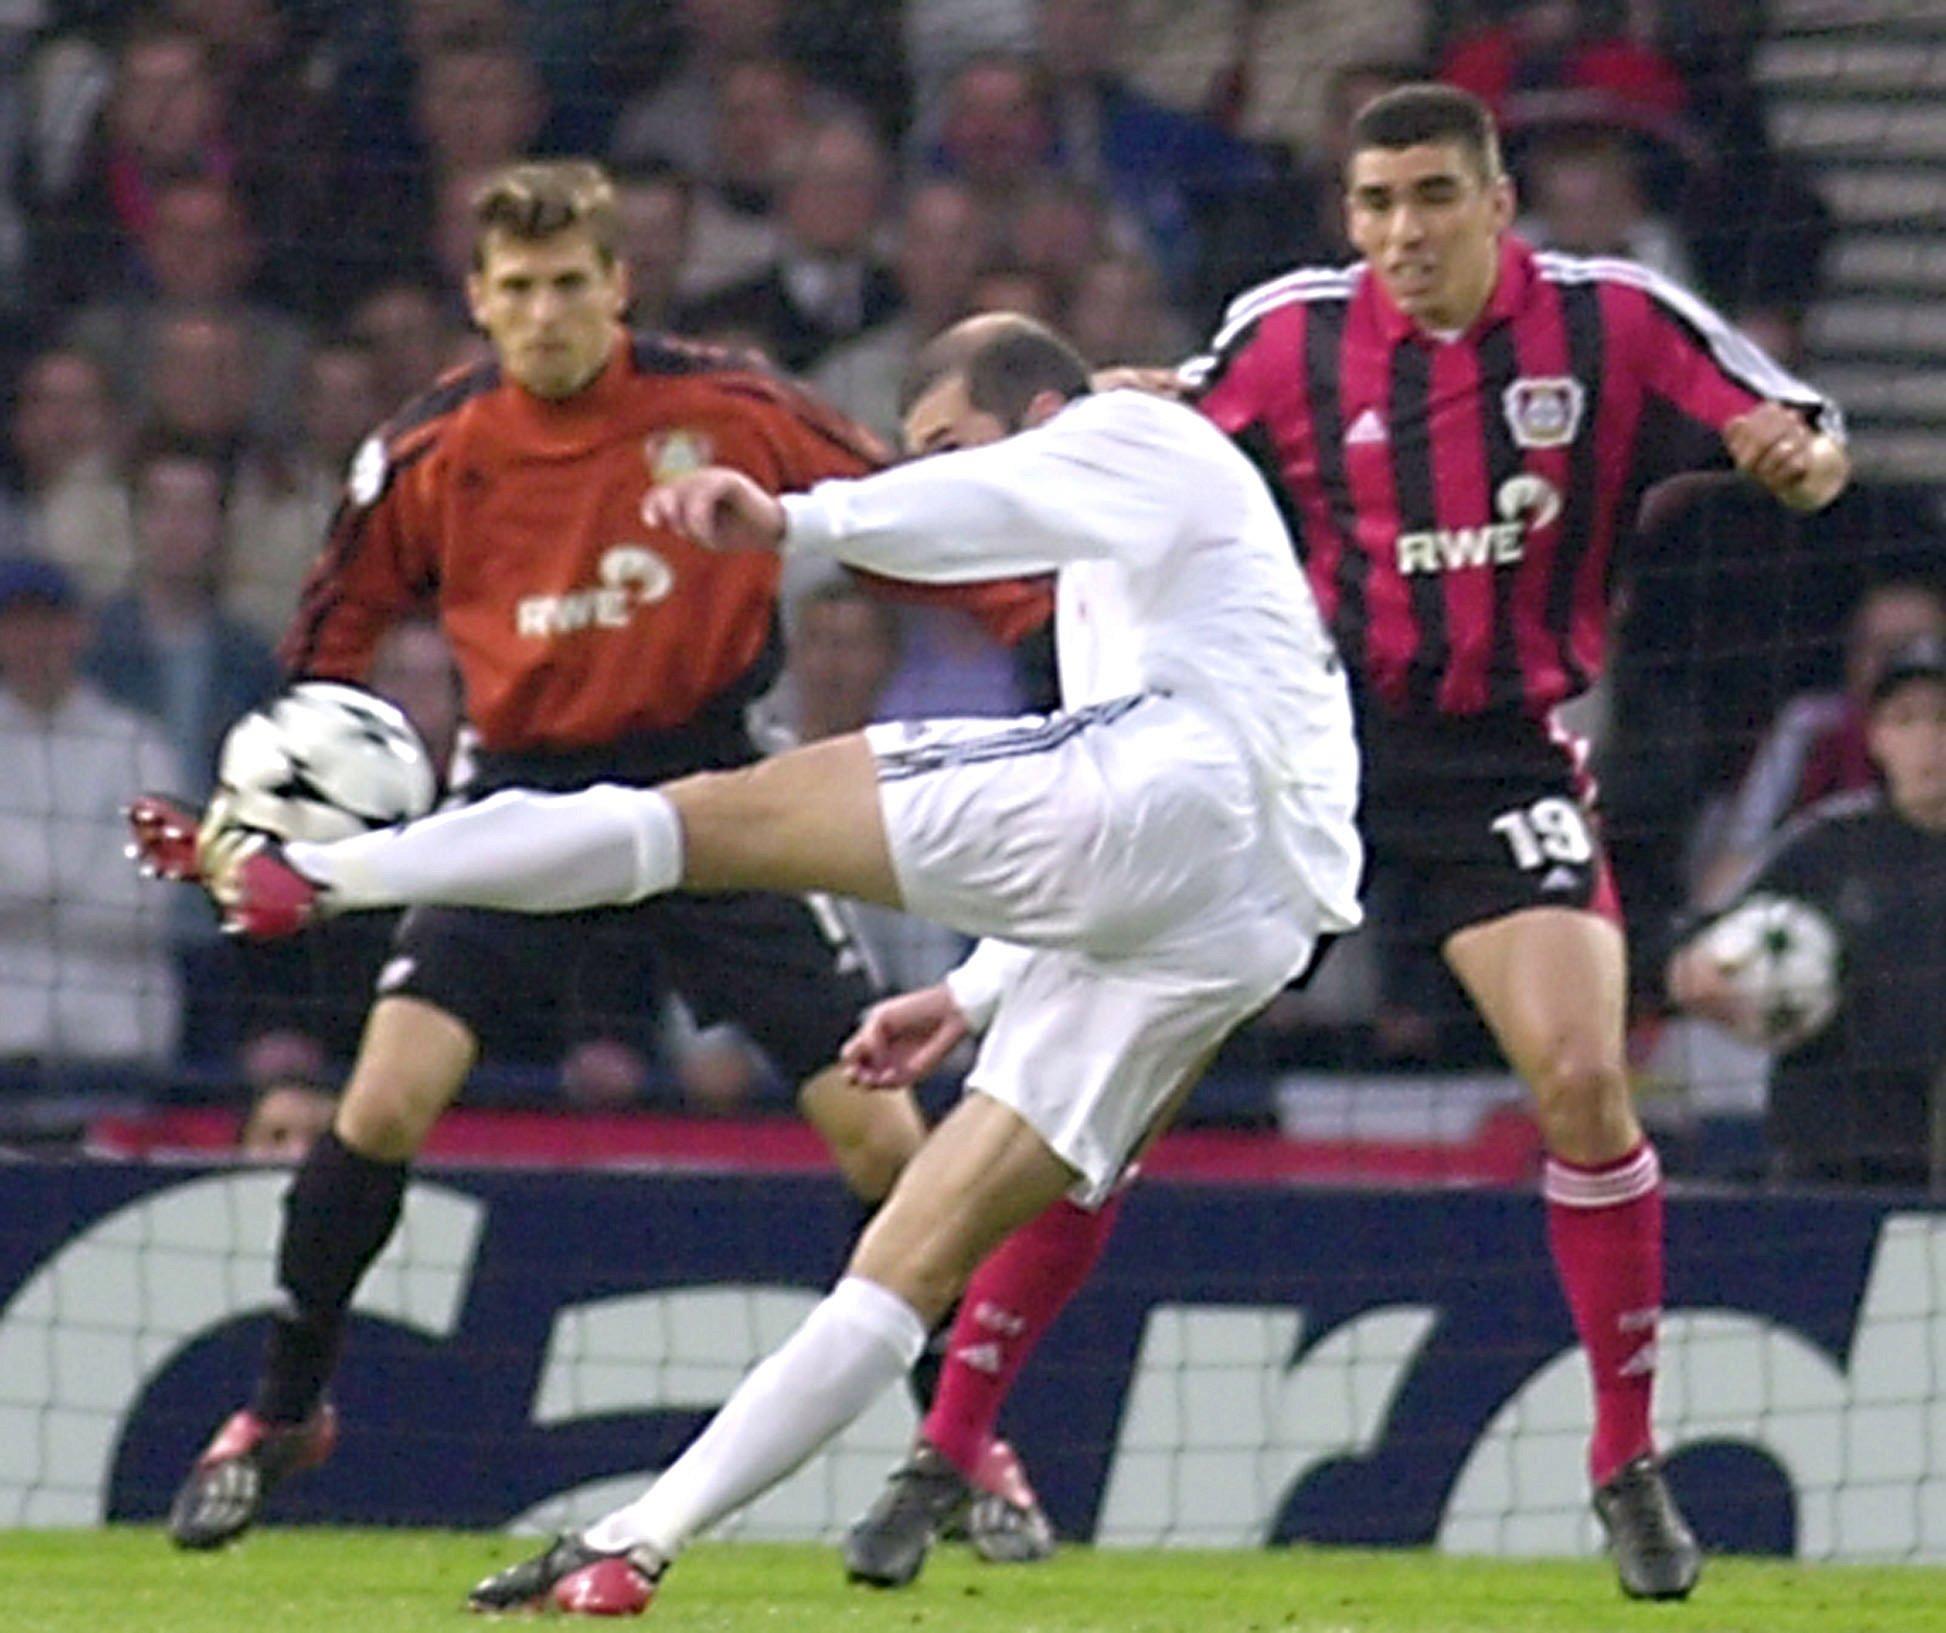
(1413, 115)
(1006, 360)
(531, 202)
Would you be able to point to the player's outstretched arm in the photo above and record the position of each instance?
(1804, 468)
(720, 508)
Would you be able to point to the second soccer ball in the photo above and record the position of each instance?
(1781, 958)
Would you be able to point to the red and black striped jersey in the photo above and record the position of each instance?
(1460, 501)
(517, 522)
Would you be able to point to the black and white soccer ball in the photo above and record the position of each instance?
(324, 761)
(1781, 958)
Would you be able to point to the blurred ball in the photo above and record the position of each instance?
(324, 761)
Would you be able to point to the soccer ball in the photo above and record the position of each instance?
(324, 761)
(1780, 957)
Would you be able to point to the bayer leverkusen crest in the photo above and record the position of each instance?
(1544, 413)
(677, 453)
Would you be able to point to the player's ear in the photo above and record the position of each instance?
(476, 292)
(1506, 204)
(1041, 407)
(618, 287)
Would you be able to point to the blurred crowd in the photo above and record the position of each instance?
(232, 239)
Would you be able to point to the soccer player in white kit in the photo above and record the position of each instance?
(1150, 864)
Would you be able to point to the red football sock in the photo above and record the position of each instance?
(1011, 1301)
(1604, 1224)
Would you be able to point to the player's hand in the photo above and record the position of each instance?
(903, 1039)
(1700, 984)
(1771, 444)
(718, 508)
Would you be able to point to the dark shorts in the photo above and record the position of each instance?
(1473, 819)
(764, 962)
(787, 975)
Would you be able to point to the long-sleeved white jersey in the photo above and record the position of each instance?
(1175, 574)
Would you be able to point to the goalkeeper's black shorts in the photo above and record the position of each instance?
(785, 972)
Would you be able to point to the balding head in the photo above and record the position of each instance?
(1005, 359)
(985, 378)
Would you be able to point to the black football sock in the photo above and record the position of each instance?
(922, 1382)
(338, 1215)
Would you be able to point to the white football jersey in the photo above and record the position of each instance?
(1175, 574)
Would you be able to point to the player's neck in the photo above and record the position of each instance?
(1459, 313)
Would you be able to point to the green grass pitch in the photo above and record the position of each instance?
(305, 1581)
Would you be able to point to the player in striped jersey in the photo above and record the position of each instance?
(1461, 431)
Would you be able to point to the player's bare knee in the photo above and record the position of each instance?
(1580, 1096)
(388, 1118)
(871, 1161)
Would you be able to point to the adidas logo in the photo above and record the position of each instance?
(1641, 1364)
(980, 1357)
(1561, 879)
(1369, 426)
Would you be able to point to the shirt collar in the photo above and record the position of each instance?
(1512, 281)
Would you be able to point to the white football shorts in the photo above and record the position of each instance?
(1121, 841)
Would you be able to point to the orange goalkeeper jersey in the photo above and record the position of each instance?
(517, 522)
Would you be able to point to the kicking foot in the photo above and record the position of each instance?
(223, 1494)
(1655, 1551)
(162, 839)
(573, 1577)
(259, 894)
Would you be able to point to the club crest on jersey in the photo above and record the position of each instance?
(1544, 413)
(677, 453)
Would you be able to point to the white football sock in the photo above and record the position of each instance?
(526, 852)
(856, 1344)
